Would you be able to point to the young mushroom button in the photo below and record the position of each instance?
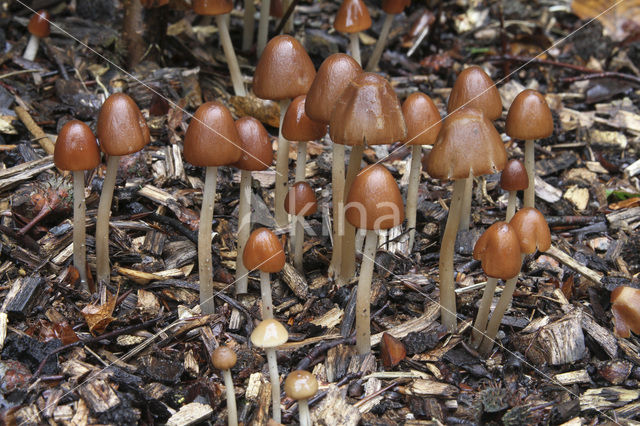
(224, 358)
(39, 28)
(353, 17)
(301, 385)
(264, 251)
(514, 178)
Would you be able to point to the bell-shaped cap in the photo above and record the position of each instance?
(367, 110)
(257, 152)
(269, 333)
(300, 384)
(297, 126)
(76, 147)
(393, 7)
(474, 88)
(212, 7)
(284, 70)
(333, 76)
(374, 201)
(529, 117)
(514, 176)
(532, 229)
(422, 119)
(467, 143)
(263, 251)
(625, 306)
(122, 129)
(498, 248)
(223, 358)
(352, 17)
(39, 24)
(211, 139)
(301, 200)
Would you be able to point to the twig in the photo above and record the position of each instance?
(35, 130)
(605, 74)
(573, 264)
(316, 352)
(286, 16)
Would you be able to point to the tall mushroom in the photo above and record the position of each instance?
(353, 17)
(301, 385)
(224, 358)
(211, 140)
(391, 8)
(513, 179)
(299, 202)
(39, 28)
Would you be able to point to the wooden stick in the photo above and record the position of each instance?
(35, 130)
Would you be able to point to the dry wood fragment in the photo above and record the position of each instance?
(337, 361)
(428, 387)
(414, 325)
(16, 174)
(263, 403)
(573, 264)
(631, 351)
(191, 413)
(610, 397)
(630, 216)
(98, 395)
(572, 377)
(295, 281)
(334, 410)
(628, 411)
(24, 294)
(29, 415)
(605, 339)
(329, 319)
(35, 130)
(547, 192)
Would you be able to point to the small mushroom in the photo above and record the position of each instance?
(514, 178)
(301, 385)
(352, 18)
(38, 28)
(299, 202)
(224, 358)
(625, 307)
(391, 8)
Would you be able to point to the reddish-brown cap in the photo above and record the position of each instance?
(467, 143)
(514, 177)
(367, 110)
(122, 129)
(275, 9)
(301, 200)
(626, 311)
(498, 248)
(211, 139)
(297, 126)
(212, 7)
(300, 384)
(529, 117)
(263, 251)
(284, 70)
(76, 147)
(352, 17)
(393, 7)
(223, 358)
(254, 140)
(39, 24)
(532, 229)
(474, 88)
(422, 118)
(374, 201)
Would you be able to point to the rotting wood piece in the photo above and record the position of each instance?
(604, 398)
(25, 294)
(334, 410)
(98, 395)
(295, 281)
(191, 413)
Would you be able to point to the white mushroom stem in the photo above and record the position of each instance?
(244, 228)
(465, 215)
(103, 270)
(232, 412)
(303, 411)
(483, 312)
(363, 295)
(265, 293)
(301, 162)
(337, 184)
(275, 382)
(412, 191)
(348, 268)
(511, 205)
(32, 48)
(249, 24)
(282, 171)
(230, 55)
(354, 42)
(205, 267)
(529, 164)
(79, 231)
(263, 26)
(297, 236)
(380, 44)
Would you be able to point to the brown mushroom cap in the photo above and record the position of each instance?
(284, 70)
(76, 147)
(333, 76)
(352, 17)
(212, 7)
(467, 143)
(532, 229)
(625, 306)
(498, 248)
(300, 384)
(39, 24)
(223, 358)
(297, 126)
(269, 333)
(122, 129)
(374, 201)
(301, 200)
(422, 118)
(254, 140)
(263, 251)
(394, 7)
(474, 88)
(529, 117)
(367, 110)
(514, 177)
(211, 139)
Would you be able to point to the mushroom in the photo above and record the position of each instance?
(423, 124)
(224, 358)
(77, 150)
(529, 118)
(284, 72)
(299, 202)
(249, 23)
(211, 140)
(301, 385)
(513, 179)
(467, 144)
(268, 335)
(625, 307)
(264, 251)
(391, 8)
(38, 28)
(263, 26)
(257, 154)
(373, 203)
(122, 130)
(353, 17)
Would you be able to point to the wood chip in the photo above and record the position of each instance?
(572, 377)
(334, 410)
(428, 387)
(191, 413)
(605, 398)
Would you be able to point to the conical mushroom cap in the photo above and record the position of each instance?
(301, 200)
(39, 24)
(297, 126)
(532, 229)
(76, 147)
(474, 88)
(514, 177)
(352, 17)
(300, 384)
(393, 7)
(284, 70)
(498, 248)
(625, 306)
(269, 334)
(254, 140)
(211, 139)
(422, 119)
(333, 76)
(263, 251)
(467, 143)
(367, 110)
(529, 117)
(374, 201)
(122, 129)
(212, 7)
(223, 358)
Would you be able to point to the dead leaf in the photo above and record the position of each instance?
(618, 22)
(99, 317)
(268, 112)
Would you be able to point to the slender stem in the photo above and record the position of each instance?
(382, 41)
(205, 267)
(103, 270)
(265, 293)
(348, 268)
(363, 295)
(337, 184)
(282, 171)
(275, 383)
(249, 24)
(465, 215)
(32, 48)
(511, 205)
(79, 230)
(301, 161)
(354, 42)
(303, 411)
(297, 246)
(447, 286)
(529, 164)
(244, 228)
(483, 312)
(412, 191)
(232, 412)
(230, 55)
(263, 26)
